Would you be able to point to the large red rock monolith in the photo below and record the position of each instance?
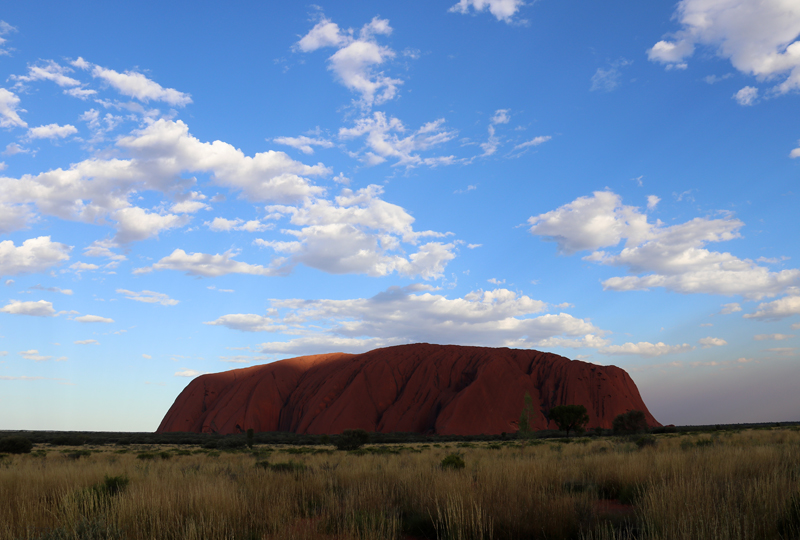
(441, 389)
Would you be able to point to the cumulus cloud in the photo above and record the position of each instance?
(148, 297)
(412, 314)
(33, 255)
(5, 28)
(646, 349)
(673, 257)
(384, 140)
(40, 308)
(96, 190)
(733, 307)
(304, 144)
(795, 153)
(207, 265)
(94, 319)
(359, 233)
(9, 110)
(746, 96)
(356, 59)
(34, 355)
(139, 87)
(652, 201)
(772, 337)
(48, 71)
(52, 131)
(221, 224)
(777, 309)
(68, 292)
(707, 342)
(759, 37)
(503, 10)
(86, 342)
(185, 372)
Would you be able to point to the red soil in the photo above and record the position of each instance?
(442, 389)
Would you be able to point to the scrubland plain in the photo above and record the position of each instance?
(720, 485)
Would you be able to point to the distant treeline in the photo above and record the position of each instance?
(214, 440)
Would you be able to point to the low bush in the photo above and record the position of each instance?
(629, 423)
(453, 461)
(146, 456)
(282, 467)
(78, 454)
(646, 441)
(351, 439)
(15, 444)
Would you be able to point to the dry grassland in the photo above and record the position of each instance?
(730, 485)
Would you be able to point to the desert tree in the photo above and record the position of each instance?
(526, 418)
(569, 417)
(629, 422)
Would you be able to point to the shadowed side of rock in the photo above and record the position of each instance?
(443, 389)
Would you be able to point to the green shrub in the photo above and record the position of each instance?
(78, 454)
(146, 456)
(352, 439)
(213, 454)
(629, 423)
(646, 441)
(453, 461)
(114, 485)
(282, 467)
(164, 455)
(15, 444)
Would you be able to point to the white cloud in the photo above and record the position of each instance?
(250, 322)
(733, 307)
(536, 141)
(759, 37)
(68, 292)
(87, 342)
(96, 190)
(102, 248)
(382, 140)
(795, 153)
(796, 326)
(5, 28)
(135, 224)
(777, 309)
(34, 355)
(93, 319)
(707, 342)
(673, 257)
(40, 308)
(356, 59)
(359, 233)
(51, 131)
(746, 96)
(403, 315)
(605, 79)
(14, 149)
(146, 356)
(34, 255)
(138, 86)
(48, 71)
(501, 116)
(184, 372)
(243, 359)
(503, 10)
(775, 337)
(193, 203)
(207, 265)
(304, 144)
(220, 224)
(646, 349)
(590, 223)
(79, 267)
(148, 297)
(9, 110)
(652, 201)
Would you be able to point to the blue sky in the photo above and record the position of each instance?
(189, 188)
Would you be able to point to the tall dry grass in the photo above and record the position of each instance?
(732, 486)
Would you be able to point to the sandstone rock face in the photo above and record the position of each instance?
(441, 389)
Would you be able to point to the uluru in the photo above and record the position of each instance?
(423, 388)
